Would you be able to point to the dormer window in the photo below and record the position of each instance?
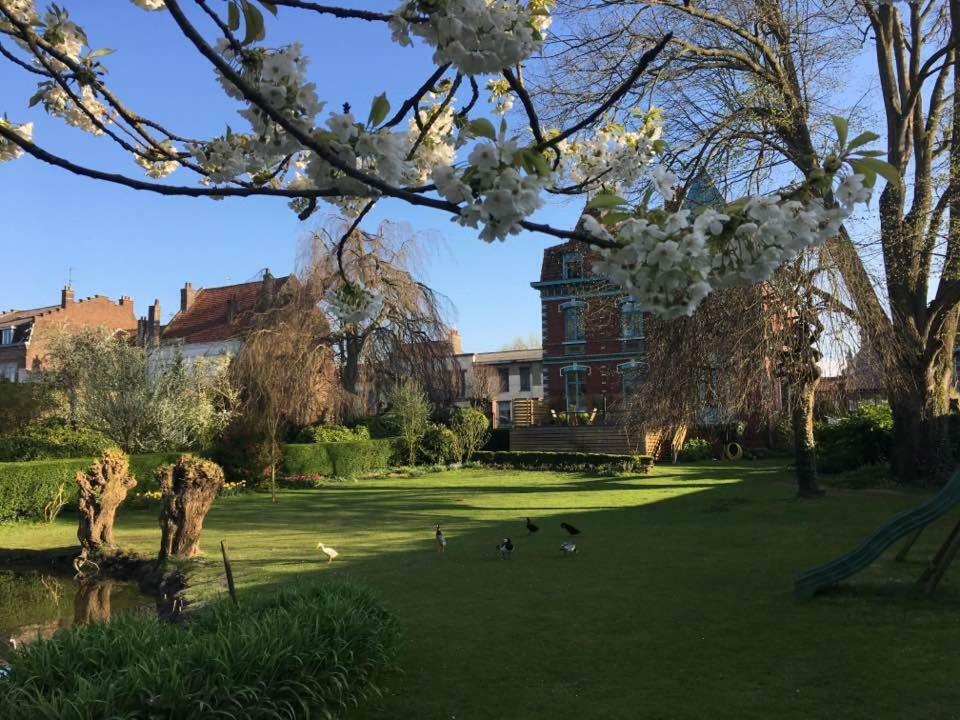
(6, 336)
(572, 265)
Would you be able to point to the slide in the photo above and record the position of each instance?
(899, 526)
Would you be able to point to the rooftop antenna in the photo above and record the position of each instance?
(69, 277)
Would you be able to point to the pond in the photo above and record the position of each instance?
(36, 604)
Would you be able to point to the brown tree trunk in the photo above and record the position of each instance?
(92, 602)
(102, 487)
(922, 454)
(804, 444)
(189, 489)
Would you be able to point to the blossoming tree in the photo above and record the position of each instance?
(429, 151)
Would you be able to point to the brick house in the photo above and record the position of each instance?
(211, 322)
(510, 380)
(22, 331)
(594, 338)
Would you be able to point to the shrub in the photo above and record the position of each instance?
(332, 434)
(469, 428)
(498, 439)
(438, 446)
(695, 449)
(377, 426)
(862, 437)
(29, 489)
(525, 460)
(52, 440)
(305, 651)
(409, 415)
(344, 459)
(245, 451)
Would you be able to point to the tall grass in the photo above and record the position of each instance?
(308, 651)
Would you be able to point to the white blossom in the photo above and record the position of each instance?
(9, 150)
(150, 4)
(156, 164)
(58, 103)
(663, 180)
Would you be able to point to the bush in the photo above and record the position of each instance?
(52, 440)
(332, 434)
(343, 459)
(29, 490)
(695, 449)
(377, 426)
(438, 445)
(862, 437)
(524, 460)
(469, 428)
(306, 651)
(245, 452)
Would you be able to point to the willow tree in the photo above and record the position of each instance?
(404, 336)
(748, 88)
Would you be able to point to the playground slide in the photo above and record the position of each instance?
(910, 521)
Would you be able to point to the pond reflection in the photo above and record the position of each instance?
(34, 604)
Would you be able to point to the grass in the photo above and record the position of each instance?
(678, 606)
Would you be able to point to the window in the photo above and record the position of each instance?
(631, 317)
(573, 321)
(504, 379)
(524, 379)
(504, 412)
(631, 375)
(575, 379)
(572, 265)
(6, 336)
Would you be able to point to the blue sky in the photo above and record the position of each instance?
(119, 241)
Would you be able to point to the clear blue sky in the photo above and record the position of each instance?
(120, 241)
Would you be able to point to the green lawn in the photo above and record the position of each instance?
(678, 606)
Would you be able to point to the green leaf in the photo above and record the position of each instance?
(271, 8)
(842, 128)
(255, 28)
(862, 139)
(879, 167)
(869, 176)
(378, 109)
(233, 17)
(659, 146)
(37, 97)
(540, 164)
(606, 200)
(101, 52)
(871, 153)
(612, 218)
(481, 127)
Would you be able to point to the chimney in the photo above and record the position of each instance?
(187, 295)
(66, 296)
(126, 301)
(268, 290)
(456, 343)
(153, 313)
(231, 309)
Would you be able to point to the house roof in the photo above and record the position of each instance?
(206, 320)
(15, 317)
(507, 356)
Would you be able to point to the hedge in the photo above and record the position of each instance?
(339, 459)
(306, 651)
(28, 488)
(530, 460)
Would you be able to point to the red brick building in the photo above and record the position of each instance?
(22, 331)
(594, 339)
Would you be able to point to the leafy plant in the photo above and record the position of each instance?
(566, 461)
(861, 437)
(437, 445)
(695, 449)
(469, 427)
(333, 433)
(50, 440)
(339, 459)
(409, 415)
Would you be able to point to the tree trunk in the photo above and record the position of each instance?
(802, 397)
(189, 489)
(102, 487)
(922, 454)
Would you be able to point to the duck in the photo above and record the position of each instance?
(441, 540)
(505, 548)
(568, 548)
(569, 528)
(531, 528)
(330, 553)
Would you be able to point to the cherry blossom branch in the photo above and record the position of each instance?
(414, 100)
(338, 12)
(26, 66)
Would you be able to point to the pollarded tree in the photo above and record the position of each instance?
(189, 488)
(749, 87)
(101, 490)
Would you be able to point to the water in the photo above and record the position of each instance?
(34, 604)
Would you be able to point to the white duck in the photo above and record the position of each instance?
(568, 548)
(328, 551)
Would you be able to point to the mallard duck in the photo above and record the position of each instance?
(441, 540)
(531, 527)
(569, 528)
(505, 548)
(328, 551)
(568, 548)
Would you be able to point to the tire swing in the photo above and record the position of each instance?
(733, 451)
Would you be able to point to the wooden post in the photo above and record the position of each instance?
(229, 570)
(941, 561)
(902, 555)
